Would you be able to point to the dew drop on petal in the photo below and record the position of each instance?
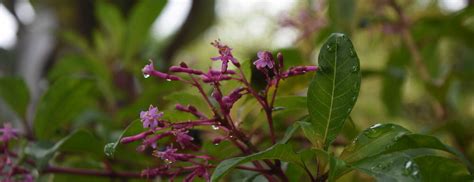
(146, 75)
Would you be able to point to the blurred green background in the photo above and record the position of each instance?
(66, 65)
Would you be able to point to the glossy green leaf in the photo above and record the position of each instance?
(436, 168)
(15, 93)
(63, 101)
(390, 167)
(398, 166)
(132, 128)
(142, 16)
(417, 141)
(309, 132)
(336, 166)
(372, 141)
(383, 146)
(280, 151)
(334, 88)
(79, 141)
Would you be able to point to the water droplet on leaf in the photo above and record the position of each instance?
(352, 52)
(374, 131)
(355, 69)
(410, 169)
(330, 47)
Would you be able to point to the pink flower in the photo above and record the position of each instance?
(200, 171)
(149, 70)
(298, 70)
(265, 59)
(150, 118)
(185, 70)
(225, 55)
(213, 76)
(183, 138)
(169, 155)
(228, 101)
(8, 132)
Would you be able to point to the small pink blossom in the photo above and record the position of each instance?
(150, 118)
(225, 55)
(183, 138)
(213, 76)
(149, 70)
(265, 59)
(8, 132)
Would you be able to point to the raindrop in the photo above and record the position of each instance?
(146, 75)
(410, 169)
(376, 126)
(214, 127)
(374, 131)
(356, 87)
(330, 47)
(352, 52)
(168, 162)
(408, 164)
(355, 68)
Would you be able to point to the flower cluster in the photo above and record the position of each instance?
(178, 160)
(9, 170)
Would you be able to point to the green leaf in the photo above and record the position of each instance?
(309, 132)
(383, 146)
(79, 141)
(15, 93)
(435, 168)
(63, 101)
(336, 166)
(132, 128)
(400, 166)
(390, 167)
(334, 88)
(113, 22)
(372, 141)
(280, 151)
(142, 16)
(417, 141)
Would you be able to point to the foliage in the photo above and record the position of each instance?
(245, 116)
